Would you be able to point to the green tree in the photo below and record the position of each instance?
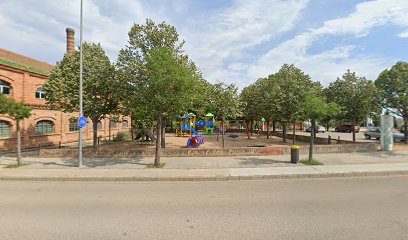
(293, 87)
(100, 86)
(158, 79)
(16, 111)
(393, 86)
(356, 96)
(317, 109)
(226, 100)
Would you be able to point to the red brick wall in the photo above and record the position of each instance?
(24, 86)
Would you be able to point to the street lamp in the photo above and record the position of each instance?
(80, 88)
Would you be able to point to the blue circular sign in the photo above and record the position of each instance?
(82, 122)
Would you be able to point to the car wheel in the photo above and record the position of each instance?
(367, 136)
(377, 138)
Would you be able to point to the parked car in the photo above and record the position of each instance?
(347, 128)
(319, 128)
(376, 133)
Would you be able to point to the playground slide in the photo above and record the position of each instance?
(217, 129)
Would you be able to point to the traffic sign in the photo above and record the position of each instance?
(82, 122)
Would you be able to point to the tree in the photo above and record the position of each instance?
(158, 79)
(226, 99)
(100, 86)
(293, 87)
(393, 87)
(316, 109)
(356, 96)
(16, 111)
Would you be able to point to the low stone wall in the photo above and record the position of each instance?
(166, 152)
(203, 152)
(337, 148)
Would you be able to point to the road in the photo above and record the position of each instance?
(352, 208)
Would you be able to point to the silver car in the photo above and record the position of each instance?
(375, 132)
(319, 128)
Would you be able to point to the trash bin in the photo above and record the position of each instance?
(294, 154)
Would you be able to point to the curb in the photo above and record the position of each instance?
(208, 179)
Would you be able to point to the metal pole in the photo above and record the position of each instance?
(80, 88)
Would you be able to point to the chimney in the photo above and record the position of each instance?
(70, 40)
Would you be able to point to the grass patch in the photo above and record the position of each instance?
(151, 165)
(311, 162)
(15, 165)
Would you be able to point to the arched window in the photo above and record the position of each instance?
(125, 124)
(99, 126)
(112, 124)
(44, 127)
(5, 129)
(5, 87)
(73, 125)
(40, 93)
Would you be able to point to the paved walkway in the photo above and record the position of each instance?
(208, 169)
(212, 162)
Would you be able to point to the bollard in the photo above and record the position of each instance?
(338, 140)
(294, 154)
(329, 140)
(59, 144)
(99, 139)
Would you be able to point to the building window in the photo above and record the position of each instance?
(44, 127)
(40, 93)
(125, 124)
(73, 125)
(5, 129)
(112, 124)
(5, 88)
(99, 126)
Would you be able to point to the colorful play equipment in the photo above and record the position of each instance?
(209, 123)
(187, 123)
(196, 141)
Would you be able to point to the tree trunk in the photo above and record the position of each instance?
(131, 129)
(406, 130)
(354, 130)
(274, 126)
(284, 131)
(158, 140)
(109, 130)
(222, 134)
(267, 128)
(95, 133)
(252, 126)
(312, 136)
(163, 134)
(18, 142)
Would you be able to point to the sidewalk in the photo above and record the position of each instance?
(208, 169)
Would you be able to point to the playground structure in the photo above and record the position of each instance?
(196, 141)
(186, 122)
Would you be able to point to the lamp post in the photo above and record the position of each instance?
(80, 88)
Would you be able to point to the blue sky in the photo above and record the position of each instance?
(233, 41)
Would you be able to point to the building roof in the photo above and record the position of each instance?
(18, 61)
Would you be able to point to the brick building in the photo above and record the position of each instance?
(22, 78)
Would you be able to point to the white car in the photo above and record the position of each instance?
(375, 132)
(319, 128)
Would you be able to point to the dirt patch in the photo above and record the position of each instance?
(210, 141)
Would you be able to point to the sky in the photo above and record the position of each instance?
(231, 41)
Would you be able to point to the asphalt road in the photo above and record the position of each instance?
(366, 208)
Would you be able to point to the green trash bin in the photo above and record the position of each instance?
(294, 154)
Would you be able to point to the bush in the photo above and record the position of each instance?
(122, 136)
